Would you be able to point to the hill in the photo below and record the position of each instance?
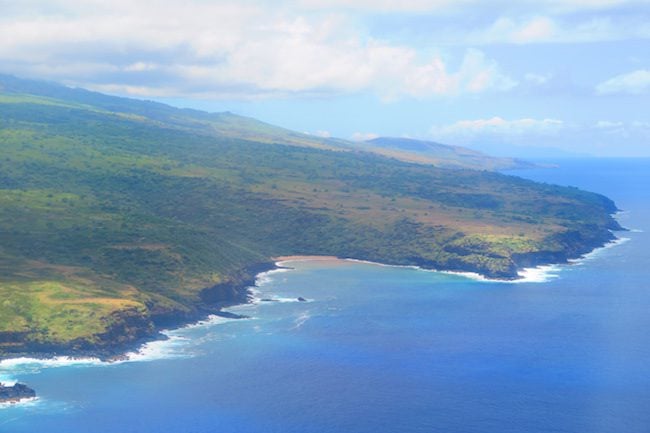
(120, 216)
(441, 155)
(230, 125)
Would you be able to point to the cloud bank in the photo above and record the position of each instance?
(635, 83)
(496, 126)
(226, 50)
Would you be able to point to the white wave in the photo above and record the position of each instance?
(210, 321)
(545, 273)
(300, 320)
(538, 274)
(33, 401)
(289, 300)
(149, 351)
(157, 350)
(470, 275)
(174, 345)
(596, 252)
(527, 275)
(10, 368)
(368, 262)
(57, 361)
(283, 300)
(265, 277)
(254, 295)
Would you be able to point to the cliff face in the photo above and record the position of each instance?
(129, 328)
(233, 291)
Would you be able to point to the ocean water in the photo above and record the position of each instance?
(386, 349)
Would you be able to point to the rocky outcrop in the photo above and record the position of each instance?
(15, 393)
(234, 290)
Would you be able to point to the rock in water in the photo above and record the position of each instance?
(15, 393)
(301, 299)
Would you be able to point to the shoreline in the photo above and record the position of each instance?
(524, 274)
(240, 292)
(168, 342)
(214, 299)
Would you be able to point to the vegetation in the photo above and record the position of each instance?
(112, 209)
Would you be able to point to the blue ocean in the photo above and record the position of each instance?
(389, 349)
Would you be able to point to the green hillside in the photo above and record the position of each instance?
(116, 215)
(234, 126)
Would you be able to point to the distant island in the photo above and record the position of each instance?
(441, 155)
(121, 217)
(15, 393)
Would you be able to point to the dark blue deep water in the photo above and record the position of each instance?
(382, 349)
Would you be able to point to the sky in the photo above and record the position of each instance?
(524, 77)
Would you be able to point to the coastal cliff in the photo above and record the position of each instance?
(129, 329)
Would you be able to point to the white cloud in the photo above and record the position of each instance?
(476, 74)
(385, 5)
(553, 29)
(636, 82)
(140, 67)
(496, 126)
(226, 49)
(537, 79)
(508, 30)
(363, 136)
(607, 124)
(444, 6)
(603, 137)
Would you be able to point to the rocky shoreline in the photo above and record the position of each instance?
(15, 393)
(132, 330)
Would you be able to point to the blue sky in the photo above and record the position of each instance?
(572, 76)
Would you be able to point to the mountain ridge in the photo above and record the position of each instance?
(228, 124)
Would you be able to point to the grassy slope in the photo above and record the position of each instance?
(106, 216)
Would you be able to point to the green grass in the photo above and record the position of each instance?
(54, 311)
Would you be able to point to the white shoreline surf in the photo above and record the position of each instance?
(173, 347)
(537, 274)
(175, 343)
(32, 401)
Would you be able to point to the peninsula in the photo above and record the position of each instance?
(120, 217)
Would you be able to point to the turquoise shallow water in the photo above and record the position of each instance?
(383, 349)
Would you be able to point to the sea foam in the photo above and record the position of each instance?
(538, 274)
(595, 253)
(175, 345)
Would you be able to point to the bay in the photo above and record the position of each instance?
(389, 349)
